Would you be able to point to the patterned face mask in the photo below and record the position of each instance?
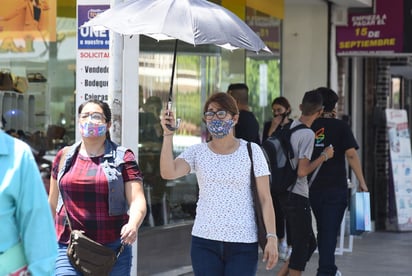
(219, 128)
(89, 129)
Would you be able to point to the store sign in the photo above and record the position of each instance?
(400, 188)
(378, 33)
(87, 37)
(266, 27)
(92, 78)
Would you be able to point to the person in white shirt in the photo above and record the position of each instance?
(224, 234)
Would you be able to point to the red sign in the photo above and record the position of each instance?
(381, 32)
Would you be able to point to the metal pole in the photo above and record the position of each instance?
(130, 109)
(115, 81)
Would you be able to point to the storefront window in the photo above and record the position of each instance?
(197, 75)
(37, 51)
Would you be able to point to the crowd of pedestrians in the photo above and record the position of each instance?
(96, 186)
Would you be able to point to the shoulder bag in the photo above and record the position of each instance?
(261, 229)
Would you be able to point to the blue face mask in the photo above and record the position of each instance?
(219, 128)
(89, 129)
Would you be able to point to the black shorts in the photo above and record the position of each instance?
(297, 212)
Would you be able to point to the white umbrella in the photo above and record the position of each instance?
(193, 21)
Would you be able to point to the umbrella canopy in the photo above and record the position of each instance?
(193, 21)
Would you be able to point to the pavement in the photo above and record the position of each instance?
(372, 254)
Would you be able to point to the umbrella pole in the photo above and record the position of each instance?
(169, 103)
(173, 72)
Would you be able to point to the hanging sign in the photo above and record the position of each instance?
(381, 32)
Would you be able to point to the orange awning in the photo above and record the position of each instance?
(273, 8)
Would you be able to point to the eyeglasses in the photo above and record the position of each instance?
(96, 117)
(220, 114)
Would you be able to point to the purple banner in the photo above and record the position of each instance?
(378, 33)
(87, 38)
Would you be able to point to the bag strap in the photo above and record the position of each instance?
(249, 149)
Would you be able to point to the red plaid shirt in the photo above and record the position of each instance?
(85, 191)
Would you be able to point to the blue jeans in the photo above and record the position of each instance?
(328, 207)
(122, 266)
(217, 258)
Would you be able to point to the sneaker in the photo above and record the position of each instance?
(283, 251)
(338, 273)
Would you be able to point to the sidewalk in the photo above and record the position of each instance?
(373, 254)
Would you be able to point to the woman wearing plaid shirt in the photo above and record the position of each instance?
(84, 186)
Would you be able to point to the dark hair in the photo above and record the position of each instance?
(104, 106)
(283, 102)
(238, 86)
(239, 91)
(224, 100)
(312, 102)
(106, 111)
(330, 98)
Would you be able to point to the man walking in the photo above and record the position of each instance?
(329, 189)
(295, 203)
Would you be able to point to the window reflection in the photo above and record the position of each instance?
(170, 201)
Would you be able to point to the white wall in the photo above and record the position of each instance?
(305, 54)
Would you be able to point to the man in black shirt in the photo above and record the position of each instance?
(247, 127)
(329, 191)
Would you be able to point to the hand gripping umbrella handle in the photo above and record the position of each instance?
(169, 127)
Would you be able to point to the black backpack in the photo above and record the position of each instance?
(279, 155)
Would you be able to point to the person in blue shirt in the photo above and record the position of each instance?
(27, 234)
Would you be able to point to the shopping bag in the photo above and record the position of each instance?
(360, 213)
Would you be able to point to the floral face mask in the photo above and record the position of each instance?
(219, 128)
(89, 129)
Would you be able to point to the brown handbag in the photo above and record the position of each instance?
(89, 256)
(256, 203)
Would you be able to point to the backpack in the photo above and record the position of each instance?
(279, 155)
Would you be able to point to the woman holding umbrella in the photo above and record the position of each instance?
(224, 239)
